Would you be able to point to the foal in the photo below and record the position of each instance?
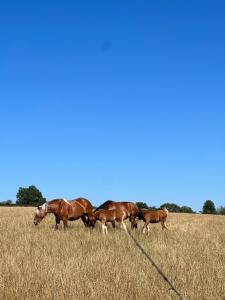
(112, 215)
(131, 209)
(153, 217)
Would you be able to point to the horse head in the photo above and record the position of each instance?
(40, 213)
(133, 223)
(91, 221)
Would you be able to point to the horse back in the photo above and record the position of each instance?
(109, 204)
(154, 216)
(110, 214)
(67, 209)
(133, 208)
(85, 204)
(130, 207)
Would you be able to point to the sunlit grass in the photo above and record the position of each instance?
(41, 263)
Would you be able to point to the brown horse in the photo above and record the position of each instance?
(110, 215)
(153, 217)
(131, 210)
(66, 211)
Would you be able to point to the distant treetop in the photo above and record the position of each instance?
(209, 207)
(29, 196)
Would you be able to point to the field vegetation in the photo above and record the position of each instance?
(40, 263)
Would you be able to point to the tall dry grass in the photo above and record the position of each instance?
(40, 263)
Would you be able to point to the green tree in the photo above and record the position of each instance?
(6, 203)
(186, 209)
(221, 210)
(29, 196)
(152, 208)
(172, 207)
(142, 205)
(209, 207)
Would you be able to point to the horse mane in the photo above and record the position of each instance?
(54, 201)
(104, 205)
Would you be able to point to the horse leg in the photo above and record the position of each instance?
(124, 226)
(120, 224)
(104, 227)
(133, 222)
(148, 228)
(103, 231)
(84, 219)
(65, 223)
(113, 224)
(144, 228)
(57, 222)
(163, 224)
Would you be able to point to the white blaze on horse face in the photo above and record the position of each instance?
(37, 212)
(43, 208)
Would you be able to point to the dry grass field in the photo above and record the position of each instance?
(40, 263)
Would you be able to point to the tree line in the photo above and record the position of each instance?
(31, 196)
(208, 208)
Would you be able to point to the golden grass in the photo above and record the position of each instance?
(40, 263)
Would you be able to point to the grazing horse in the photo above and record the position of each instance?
(153, 217)
(131, 210)
(66, 211)
(110, 215)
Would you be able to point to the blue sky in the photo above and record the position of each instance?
(121, 100)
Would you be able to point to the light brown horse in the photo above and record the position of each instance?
(130, 209)
(110, 215)
(153, 217)
(66, 211)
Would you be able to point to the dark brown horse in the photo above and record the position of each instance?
(110, 215)
(129, 208)
(65, 211)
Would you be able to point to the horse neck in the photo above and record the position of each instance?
(52, 207)
(81, 204)
(96, 214)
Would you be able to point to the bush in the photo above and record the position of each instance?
(6, 203)
(172, 207)
(221, 210)
(142, 205)
(209, 207)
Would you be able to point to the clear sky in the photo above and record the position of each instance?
(121, 100)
